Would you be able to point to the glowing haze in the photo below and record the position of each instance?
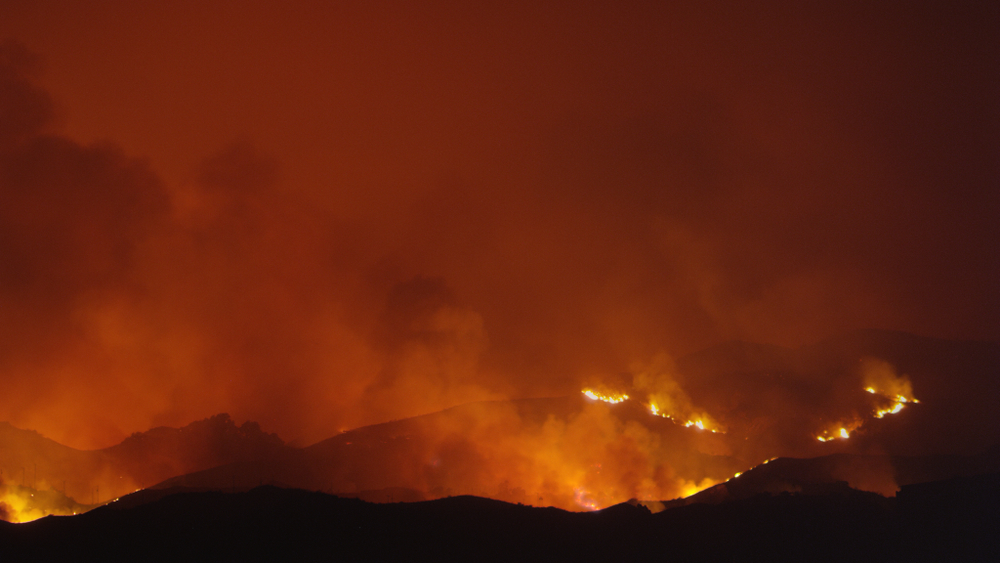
(324, 215)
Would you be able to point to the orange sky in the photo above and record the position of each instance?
(318, 215)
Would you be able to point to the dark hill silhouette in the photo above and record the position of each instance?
(949, 520)
(162, 452)
(141, 460)
(841, 473)
(769, 394)
(372, 461)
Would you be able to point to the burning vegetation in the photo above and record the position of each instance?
(889, 392)
(19, 503)
(649, 439)
(612, 398)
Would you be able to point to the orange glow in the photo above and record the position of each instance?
(895, 408)
(365, 215)
(900, 395)
(583, 500)
(384, 247)
(890, 386)
(613, 399)
(20, 504)
(700, 424)
(838, 433)
(690, 488)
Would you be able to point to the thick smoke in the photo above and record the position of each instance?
(880, 377)
(72, 219)
(386, 213)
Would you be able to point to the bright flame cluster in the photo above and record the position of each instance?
(583, 499)
(613, 399)
(689, 488)
(844, 432)
(21, 504)
(898, 402)
(698, 423)
(841, 433)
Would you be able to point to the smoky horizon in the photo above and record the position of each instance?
(319, 217)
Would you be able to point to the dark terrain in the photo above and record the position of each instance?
(953, 520)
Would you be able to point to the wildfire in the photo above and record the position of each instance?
(892, 410)
(583, 500)
(897, 402)
(613, 399)
(19, 504)
(698, 423)
(689, 488)
(841, 433)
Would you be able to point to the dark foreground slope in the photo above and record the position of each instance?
(950, 520)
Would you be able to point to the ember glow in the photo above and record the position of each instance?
(698, 424)
(888, 387)
(21, 504)
(692, 488)
(892, 410)
(839, 431)
(884, 382)
(582, 500)
(613, 399)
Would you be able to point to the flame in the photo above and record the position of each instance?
(895, 408)
(613, 399)
(583, 500)
(689, 488)
(881, 379)
(698, 423)
(19, 504)
(838, 433)
(735, 475)
(898, 401)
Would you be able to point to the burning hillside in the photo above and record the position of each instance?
(654, 433)
(43, 477)
(594, 256)
(19, 503)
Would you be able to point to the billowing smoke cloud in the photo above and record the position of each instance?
(70, 224)
(353, 222)
(880, 378)
(127, 305)
(586, 458)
